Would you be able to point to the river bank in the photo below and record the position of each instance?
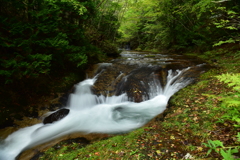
(194, 117)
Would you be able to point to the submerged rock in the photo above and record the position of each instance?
(56, 116)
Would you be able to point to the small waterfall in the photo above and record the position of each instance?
(83, 97)
(90, 113)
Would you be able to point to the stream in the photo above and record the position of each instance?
(117, 97)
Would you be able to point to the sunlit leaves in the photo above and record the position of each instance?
(224, 42)
(78, 6)
(228, 20)
(202, 7)
(231, 79)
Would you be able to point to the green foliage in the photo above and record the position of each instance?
(162, 25)
(29, 66)
(231, 79)
(226, 41)
(202, 7)
(231, 102)
(102, 31)
(42, 40)
(42, 36)
(228, 20)
(226, 152)
(213, 145)
(179, 25)
(231, 105)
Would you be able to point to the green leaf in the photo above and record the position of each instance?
(226, 155)
(209, 151)
(238, 137)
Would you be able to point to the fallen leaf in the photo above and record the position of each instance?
(97, 153)
(158, 152)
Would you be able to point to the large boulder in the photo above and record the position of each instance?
(56, 116)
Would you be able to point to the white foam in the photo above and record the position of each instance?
(90, 113)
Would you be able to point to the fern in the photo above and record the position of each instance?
(231, 79)
(231, 102)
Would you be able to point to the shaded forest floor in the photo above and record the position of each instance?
(202, 122)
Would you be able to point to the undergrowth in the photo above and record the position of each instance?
(112, 147)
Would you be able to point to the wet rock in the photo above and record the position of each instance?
(132, 74)
(56, 116)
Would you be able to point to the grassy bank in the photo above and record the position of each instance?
(202, 122)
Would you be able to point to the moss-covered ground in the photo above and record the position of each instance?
(201, 122)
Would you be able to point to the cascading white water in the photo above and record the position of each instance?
(96, 114)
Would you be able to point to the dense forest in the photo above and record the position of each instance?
(180, 25)
(39, 37)
(47, 42)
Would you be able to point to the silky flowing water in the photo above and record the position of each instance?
(122, 95)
